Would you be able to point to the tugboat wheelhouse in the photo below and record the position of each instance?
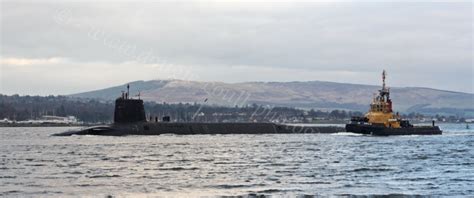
(380, 119)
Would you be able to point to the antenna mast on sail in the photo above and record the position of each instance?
(128, 90)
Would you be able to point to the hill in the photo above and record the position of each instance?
(306, 95)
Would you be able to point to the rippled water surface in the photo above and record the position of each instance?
(34, 163)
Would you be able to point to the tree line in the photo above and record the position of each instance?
(20, 108)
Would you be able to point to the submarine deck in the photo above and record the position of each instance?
(149, 128)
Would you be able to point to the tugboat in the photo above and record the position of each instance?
(381, 121)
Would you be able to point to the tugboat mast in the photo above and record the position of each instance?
(383, 79)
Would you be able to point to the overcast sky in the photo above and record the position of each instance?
(61, 48)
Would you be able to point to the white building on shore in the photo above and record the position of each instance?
(52, 120)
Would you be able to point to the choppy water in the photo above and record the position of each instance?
(32, 163)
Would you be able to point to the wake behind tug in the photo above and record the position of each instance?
(380, 119)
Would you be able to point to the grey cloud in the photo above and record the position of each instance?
(429, 38)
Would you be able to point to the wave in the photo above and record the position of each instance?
(347, 134)
(103, 176)
(230, 186)
(372, 169)
(383, 195)
(178, 168)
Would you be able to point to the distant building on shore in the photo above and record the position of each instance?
(6, 121)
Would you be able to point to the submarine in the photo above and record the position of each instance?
(130, 119)
(381, 121)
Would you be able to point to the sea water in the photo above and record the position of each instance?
(33, 163)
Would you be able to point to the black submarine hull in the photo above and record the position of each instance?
(384, 131)
(149, 128)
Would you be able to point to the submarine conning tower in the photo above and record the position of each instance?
(129, 110)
